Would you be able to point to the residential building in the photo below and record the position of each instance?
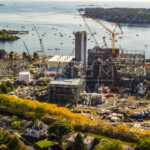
(36, 130)
(88, 141)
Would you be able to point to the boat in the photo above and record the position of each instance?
(61, 43)
(61, 35)
(56, 49)
(116, 41)
(137, 35)
(120, 37)
(145, 45)
(49, 48)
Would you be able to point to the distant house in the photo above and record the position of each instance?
(55, 147)
(36, 130)
(88, 141)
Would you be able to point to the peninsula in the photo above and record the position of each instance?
(121, 15)
(6, 35)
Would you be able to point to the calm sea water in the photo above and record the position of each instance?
(53, 18)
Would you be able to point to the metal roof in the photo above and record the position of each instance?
(67, 81)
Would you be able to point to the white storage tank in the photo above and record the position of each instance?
(24, 76)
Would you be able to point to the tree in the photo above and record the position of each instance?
(111, 145)
(78, 143)
(9, 85)
(144, 144)
(3, 88)
(39, 112)
(96, 141)
(60, 129)
(15, 124)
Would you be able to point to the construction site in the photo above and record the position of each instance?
(101, 83)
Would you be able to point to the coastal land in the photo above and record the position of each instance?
(121, 15)
(6, 35)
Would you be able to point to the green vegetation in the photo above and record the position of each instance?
(144, 144)
(6, 87)
(78, 143)
(43, 144)
(59, 129)
(96, 141)
(15, 124)
(110, 145)
(6, 36)
(11, 77)
(121, 15)
(10, 142)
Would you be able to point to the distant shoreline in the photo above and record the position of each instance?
(121, 15)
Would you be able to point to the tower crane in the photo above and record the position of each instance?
(97, 44)
(41, 47)
(43, 53)
(111, 32)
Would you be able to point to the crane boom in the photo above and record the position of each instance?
(26, 48)
(112, 32)
(41, 44)
(86, 24)
(93, 17)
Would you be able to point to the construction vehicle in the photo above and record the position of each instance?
(111, 32)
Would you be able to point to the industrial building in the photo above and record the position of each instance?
(69, 81)
(64, 90)
(59, 61)
(81, 47)
(101, 71)
(71, 73)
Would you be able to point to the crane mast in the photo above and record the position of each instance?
(41, 46)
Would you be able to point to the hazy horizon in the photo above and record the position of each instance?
(81, 0)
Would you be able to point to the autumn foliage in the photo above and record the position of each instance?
(38, 110)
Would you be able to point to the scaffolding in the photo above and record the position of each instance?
(66, 90)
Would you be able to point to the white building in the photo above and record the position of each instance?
(88, 141)
(36, 130)
(59, 61)
(24, 76)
